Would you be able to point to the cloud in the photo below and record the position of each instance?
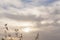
(21, 17)
(13, 3)
(45, 13)
(9, 9)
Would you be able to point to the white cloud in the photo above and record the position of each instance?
(47, 22)
(45, 14)
(7, 3)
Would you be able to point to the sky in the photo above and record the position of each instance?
(42, 14)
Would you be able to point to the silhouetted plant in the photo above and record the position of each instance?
(3, 39)
(16, 30)
(36, 38)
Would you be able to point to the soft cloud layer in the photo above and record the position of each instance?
(44, 13)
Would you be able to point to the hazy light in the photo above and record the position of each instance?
(58, 21)
(43, 22)
(26, 24)
(47, 22)
(26, 29)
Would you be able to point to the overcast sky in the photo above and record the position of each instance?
(45, 14)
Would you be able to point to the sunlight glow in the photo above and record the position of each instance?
(26, 29)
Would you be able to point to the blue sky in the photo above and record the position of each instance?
(39, 2)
